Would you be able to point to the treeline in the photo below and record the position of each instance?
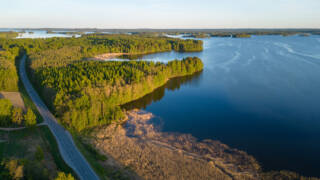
(8, 72)
(141, 43)
(13, 116)
(16, 169)
(93, 44)
(197, 35)
(61, 51)
(239, 32)
(241, 36)
(8, 35)
(172, 85)
(86, 93)
(89, 93)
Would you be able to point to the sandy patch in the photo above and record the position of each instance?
(15, 98)
(107, 56)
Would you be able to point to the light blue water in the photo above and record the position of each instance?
(260, 94)
(43, 34)
(37, 33)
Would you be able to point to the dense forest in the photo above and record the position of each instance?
(15, 169)
(241, 36)
(8, 73)
(84, 93)
(89, 93)
(8, 34)
(61, 51)
(94, 44)
(14, 117)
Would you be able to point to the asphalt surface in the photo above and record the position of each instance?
(67, 147)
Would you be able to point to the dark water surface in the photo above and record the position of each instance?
(260, 95)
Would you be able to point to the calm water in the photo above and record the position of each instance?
(43, 34)
(261, 95)
(38, 33)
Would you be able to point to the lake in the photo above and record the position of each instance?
(259, 94)
(28, 33)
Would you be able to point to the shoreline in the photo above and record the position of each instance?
(153, 154)
(136, 142)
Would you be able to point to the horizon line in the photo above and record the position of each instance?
(269, 28)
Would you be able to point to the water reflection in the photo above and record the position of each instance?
(172, 85)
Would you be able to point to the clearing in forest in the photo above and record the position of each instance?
(15, 98)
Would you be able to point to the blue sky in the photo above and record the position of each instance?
(160, 13)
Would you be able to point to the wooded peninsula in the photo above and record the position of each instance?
(84, 93)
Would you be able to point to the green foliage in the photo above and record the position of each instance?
(198, 35)
(39, 154)
(243, 35)
(13, 116)
(8, 73)
(64, 176)
(62, 51)
(17, 116)
(11, 169)
(8, 35)
(5, 112)
(30, 118)
(25, 144)
(88, 93)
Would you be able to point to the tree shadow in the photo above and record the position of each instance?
(172, 85)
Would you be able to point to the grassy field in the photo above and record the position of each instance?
(24, 144)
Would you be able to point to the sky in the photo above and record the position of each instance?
(160, 14)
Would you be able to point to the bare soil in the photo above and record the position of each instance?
(15, 98)
(107, 56)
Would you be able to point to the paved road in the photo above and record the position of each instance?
(68, 149)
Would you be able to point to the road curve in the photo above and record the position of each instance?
(67, 147)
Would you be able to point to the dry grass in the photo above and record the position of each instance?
(107, 56)
(155, 155)
(15, 98)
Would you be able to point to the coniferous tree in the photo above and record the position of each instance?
(30, 118)
(17, 116)
(64, 176)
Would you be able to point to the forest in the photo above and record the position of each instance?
(10, 34)
(15, 117)
(84, 93)
(89, 93)
(8, 73)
